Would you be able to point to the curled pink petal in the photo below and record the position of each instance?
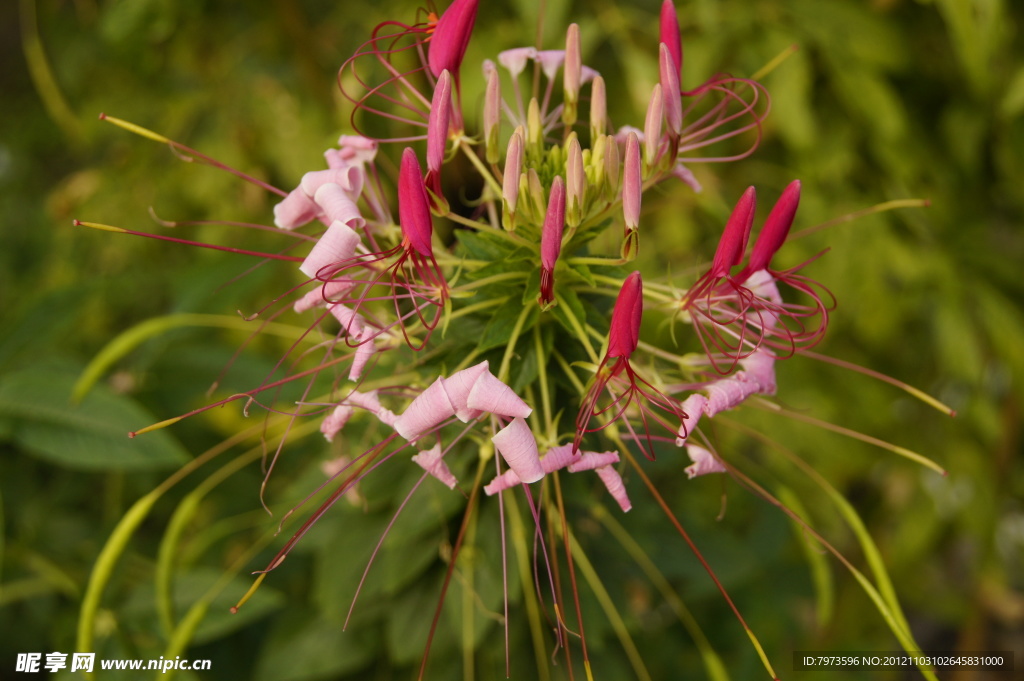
(458, 387)
(550, 61)
(351, 322)
(364, 351)
(613, 481)
(451, 37)
(759, 368)
(491, 395)
(776, 227)
(337, 245)
(686, 175)
(349, 178)
(557, 458)
(693, 406)
(414, 206)
(728, 393)
(338, 206)
(357, 149)
(624, 333)
(513, 168)
(734, 238)
(592, 461)
(506, 480)
(517, 446)
(430, 409)
(430, 460)
(295, 210)
(329, 291)
(335, 421)
(704, 462)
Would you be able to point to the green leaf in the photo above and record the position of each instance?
(91, 435)
(483, 245)
(569, 300)
(499, 329)
(300, 648)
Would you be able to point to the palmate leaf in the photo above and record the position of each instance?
(90, 435)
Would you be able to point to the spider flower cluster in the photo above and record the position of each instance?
(521, 327)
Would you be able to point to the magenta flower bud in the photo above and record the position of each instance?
(734, 239)
(492, 116)
(652, 126)
(451, 36)
(430, 460)
(704, 462)
(517, 446)
(571, 74)
(669, 25)
(337, 245)
(438, 121)
(624, 331)
(776, 227)
(576, 183)
(414, 206)
(598, 110)
(632, 183)
(669, 76)
(551, 241)
(613, 481)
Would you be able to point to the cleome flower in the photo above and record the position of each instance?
(515, 329)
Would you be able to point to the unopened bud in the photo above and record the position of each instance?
(670, 89)
(492, 116)
(598, 110)
(510, 181)
(632, 183)
(576, 181)
(534, 129)
(652, 128)
(571, 74)
(611, 167)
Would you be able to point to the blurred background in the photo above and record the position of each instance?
(882, 100)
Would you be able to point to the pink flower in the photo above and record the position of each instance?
(704, 462)
(517, 446)
(551, 241)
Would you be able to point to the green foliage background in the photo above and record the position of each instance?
(883, 100)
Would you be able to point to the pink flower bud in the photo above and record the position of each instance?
(573, 64)
(554, 224)
(652, 126)
(491, 395)
(492, 116)
(704, 462)
(337, 245)
(632, 183)
(576, 181)
(613, 481)
(624, 333)
(451, 36)
(598, 109)
(413, 206)
(776, 227)
(430, 460)
(513, 168)
(437, 122)
(517, 446)
(592, 461)
(734, 238)
(669, 26)
(430, 409)
(669, 76)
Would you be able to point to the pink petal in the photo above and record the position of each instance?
(351, 321)
(554, 224)
(295, 210)
(669, 29)
(762, 284)
(687, 176)
(491, 395)
(613, 481)
(592, 461)
(506, 480)
(550, 61)
(458, 388)
(734, 238)
(337, 245)
(515, 59)
(364, 351)
(558, 458)
(693, 406)
(704, 462)
(430, 460)
(335, 421)
(430, 409)
(357, 149)
(517, 446)
(728, 393)
(337, 206)
(349, 178)
(330, 290)
(759, 368)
